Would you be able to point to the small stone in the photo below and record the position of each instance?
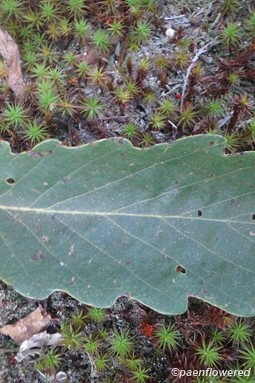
(170, 32)
(207, 59)
(61, 377)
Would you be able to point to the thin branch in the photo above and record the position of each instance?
(172, 124)
(191, 66)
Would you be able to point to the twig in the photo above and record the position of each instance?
(174, 17)
(191, 66)
(172, 90)
(93, 370)
(225, 120)
(216, 21)
(172, 124)
(121, 118)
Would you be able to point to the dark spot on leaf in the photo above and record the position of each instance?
(180, 269)
(253, 217)
(10, 181)
(37, 256)
(66, 180)
(121, 141)
(212, 143)
(52, 216)
(232, 202)
(199, 213)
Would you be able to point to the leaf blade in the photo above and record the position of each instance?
(163, 223)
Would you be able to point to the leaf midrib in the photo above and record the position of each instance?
(43, 211)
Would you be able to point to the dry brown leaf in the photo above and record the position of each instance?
(42, 339)
(28, 326)
(10, 53)
(36, 342)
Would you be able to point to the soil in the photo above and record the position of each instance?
(125, 316)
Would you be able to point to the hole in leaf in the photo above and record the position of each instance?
(199, 213)
(10, 181)
(253, 217)
(180, 269)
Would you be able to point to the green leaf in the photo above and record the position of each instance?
(104, 219)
